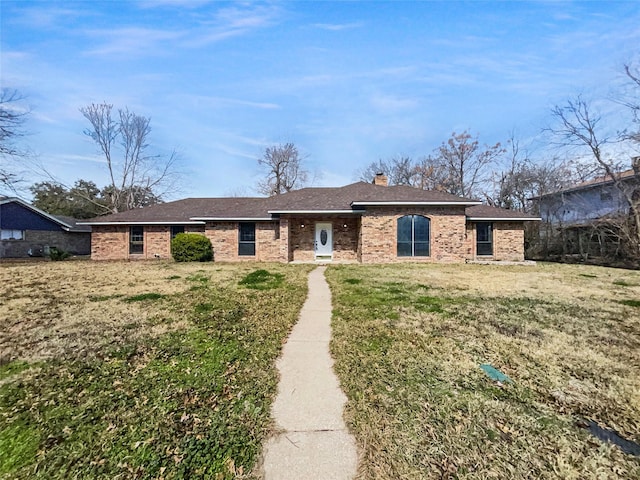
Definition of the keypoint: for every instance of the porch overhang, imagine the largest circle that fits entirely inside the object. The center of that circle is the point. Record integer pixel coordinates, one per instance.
(316, 212)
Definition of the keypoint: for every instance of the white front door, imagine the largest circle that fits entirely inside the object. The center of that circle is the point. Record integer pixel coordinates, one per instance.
(324, 240)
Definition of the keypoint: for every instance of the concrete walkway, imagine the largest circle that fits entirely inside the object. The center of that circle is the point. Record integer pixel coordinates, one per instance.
(314, 442)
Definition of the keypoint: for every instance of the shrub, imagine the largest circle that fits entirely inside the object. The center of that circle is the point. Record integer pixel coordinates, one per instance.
(57, 254)
(191, 247)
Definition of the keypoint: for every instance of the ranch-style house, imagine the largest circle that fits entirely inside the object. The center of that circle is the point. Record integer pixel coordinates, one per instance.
(361, 222)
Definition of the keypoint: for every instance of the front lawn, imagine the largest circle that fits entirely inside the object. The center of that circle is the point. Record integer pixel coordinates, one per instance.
(409, 341)
(140, 370)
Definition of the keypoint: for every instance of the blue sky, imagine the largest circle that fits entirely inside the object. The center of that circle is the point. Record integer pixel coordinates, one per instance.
(348, 82)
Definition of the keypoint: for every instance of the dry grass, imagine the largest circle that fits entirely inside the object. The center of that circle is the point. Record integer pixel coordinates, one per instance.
(50, 310)
(409, 341)
(140, 370)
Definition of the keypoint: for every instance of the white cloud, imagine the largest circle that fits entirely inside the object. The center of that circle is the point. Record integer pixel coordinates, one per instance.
(392, 103)
(45, 16)
(131, 40)
(335, 27)
(232, 22)
(191, 4)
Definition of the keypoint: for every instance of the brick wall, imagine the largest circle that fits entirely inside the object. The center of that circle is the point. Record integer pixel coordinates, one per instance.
(111, 242)
(301, 239)
(269, 242)
(345, 237)
(370, 238)
(508, 241)
(447, 242)
(36, 240)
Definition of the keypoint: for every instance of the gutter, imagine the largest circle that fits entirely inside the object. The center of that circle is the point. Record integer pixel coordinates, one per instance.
(503, 219)
(391, 204)
(133, 222)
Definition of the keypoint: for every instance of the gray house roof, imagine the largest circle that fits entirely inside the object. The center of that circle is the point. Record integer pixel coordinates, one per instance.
(350, 199)
(598, 182)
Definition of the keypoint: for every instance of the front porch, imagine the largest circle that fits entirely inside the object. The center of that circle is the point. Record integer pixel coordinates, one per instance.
(323, 238)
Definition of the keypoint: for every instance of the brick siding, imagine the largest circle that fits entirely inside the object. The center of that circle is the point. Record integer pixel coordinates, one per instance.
(76, 243)
(269, 240)
(447, 229)
(371, 238)
(508, 241)
(345, 234)
(111, 242)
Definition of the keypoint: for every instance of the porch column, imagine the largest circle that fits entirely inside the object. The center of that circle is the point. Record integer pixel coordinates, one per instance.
(285, 254)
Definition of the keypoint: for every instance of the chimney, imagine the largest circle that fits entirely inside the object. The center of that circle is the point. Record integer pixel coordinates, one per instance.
(380, 179)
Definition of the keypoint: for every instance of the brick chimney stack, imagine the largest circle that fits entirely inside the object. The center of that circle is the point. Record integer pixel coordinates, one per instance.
(380, 179)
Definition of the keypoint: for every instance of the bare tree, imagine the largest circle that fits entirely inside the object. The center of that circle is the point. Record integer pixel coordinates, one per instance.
(13, 114)
(136, 177)
(368, 173)
(283, 170)
(632, 101)
(424, 174)
(578, 126)
(523, 179)
(430, 174)
(466, 163)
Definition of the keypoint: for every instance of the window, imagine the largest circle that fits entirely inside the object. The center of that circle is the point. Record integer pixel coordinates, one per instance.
(175, 230)
(247, 239)
(136, 240)
(484, 238)
(606, 196)
(11, 234)
(413, 236)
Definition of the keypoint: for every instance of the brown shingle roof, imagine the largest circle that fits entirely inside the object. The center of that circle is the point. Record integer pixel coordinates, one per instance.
(486, 212)
(179, 211)
(348, 198)
(343, 198)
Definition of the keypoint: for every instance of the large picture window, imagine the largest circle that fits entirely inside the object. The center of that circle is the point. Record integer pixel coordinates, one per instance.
(484, 238)
(136, 239)
(413, 236)
(247, 239)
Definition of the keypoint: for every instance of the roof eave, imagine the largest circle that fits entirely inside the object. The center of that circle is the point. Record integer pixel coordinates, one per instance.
(233, 219)
(133, 222)
(504, 219)
(445, 203)
(308, 212)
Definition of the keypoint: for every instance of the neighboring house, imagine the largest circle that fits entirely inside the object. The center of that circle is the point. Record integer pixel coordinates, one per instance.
(583, 203)
(361, 222)
(28, 231)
